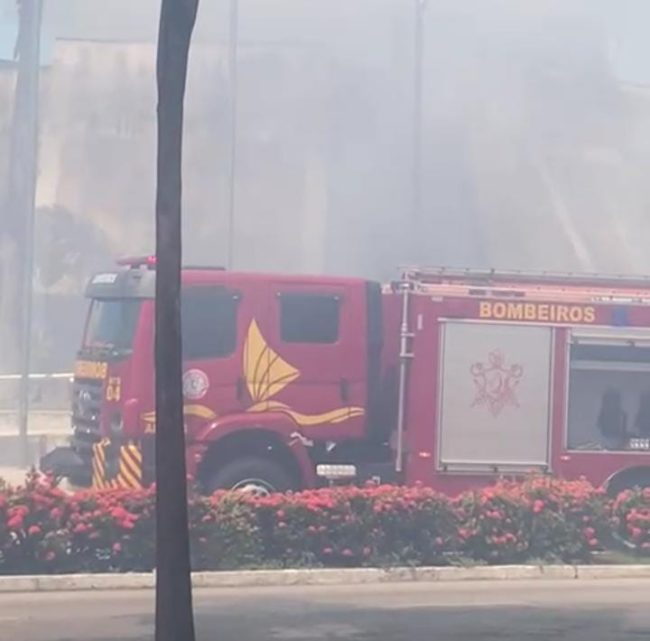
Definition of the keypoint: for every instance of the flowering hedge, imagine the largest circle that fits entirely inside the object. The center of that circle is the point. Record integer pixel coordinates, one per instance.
(45, 530)
(542, 519)
(354, 526)
(631, 518)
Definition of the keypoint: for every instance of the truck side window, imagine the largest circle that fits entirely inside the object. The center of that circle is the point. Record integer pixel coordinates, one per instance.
(209, 322)
(609, 396)
(309, 318)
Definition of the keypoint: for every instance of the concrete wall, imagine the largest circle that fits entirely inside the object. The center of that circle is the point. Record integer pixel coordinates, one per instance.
(98, 153)
(96, 183)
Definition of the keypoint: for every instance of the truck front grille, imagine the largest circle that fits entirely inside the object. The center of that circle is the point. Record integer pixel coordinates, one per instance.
(86, 409)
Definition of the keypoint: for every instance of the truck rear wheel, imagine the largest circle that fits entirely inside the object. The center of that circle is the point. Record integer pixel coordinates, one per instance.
(254, 475)
(627, 481)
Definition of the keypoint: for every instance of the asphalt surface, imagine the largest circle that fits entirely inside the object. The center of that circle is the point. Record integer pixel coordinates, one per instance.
(517, 610)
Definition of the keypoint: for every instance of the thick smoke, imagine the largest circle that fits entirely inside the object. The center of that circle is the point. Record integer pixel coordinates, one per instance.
(533, 137)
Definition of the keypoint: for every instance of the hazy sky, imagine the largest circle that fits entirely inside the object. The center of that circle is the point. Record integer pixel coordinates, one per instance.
(508, 84)
(624, 21)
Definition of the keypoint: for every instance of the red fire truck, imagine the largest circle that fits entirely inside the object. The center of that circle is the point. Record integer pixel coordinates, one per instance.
(450, 378)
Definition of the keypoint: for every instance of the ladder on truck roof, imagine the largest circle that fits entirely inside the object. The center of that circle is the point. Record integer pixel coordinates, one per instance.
(543, 286)
(483, 277)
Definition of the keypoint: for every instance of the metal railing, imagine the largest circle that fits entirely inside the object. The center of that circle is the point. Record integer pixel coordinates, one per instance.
(47, 391)
(437, 274)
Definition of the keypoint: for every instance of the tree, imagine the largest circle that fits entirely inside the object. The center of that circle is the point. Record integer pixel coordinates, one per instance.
(174, 616)
(17, 206)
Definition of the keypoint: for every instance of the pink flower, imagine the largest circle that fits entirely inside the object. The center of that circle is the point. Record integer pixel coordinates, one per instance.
(56, 513)
(538, 506)
(119, 513)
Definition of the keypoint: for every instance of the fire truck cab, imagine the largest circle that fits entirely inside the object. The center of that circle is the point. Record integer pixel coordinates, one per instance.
(451, 378)
(281, 374)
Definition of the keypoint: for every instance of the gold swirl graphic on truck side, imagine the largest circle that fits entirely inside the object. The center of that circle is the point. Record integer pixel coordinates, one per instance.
(267, 374)
(198, 411)
(309, 420)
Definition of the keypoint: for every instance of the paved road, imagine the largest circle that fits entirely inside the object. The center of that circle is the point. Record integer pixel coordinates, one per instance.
(513, 611)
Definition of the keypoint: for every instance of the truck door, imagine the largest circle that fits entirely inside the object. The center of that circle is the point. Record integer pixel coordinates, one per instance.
(318, 332)
(213, 337)
(215, 318)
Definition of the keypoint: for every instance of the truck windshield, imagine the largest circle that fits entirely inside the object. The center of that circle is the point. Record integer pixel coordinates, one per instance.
(112, 323)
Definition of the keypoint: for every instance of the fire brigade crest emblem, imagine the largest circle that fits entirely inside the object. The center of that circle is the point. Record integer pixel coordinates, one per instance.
(195, 384)
(496, 383)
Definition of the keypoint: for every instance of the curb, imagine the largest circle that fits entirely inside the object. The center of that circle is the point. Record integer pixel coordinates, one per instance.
(325, 577)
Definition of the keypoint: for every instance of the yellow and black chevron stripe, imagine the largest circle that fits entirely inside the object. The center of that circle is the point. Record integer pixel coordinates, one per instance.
(129, 474)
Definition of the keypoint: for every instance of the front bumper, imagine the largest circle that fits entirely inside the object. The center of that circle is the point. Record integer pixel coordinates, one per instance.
(117, 465)
(64, 462)
(113, 465)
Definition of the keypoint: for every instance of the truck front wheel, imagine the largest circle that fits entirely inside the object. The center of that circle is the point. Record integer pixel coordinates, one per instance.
(254, 475)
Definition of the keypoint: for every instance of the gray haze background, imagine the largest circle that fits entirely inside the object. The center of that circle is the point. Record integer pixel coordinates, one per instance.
(535, 138)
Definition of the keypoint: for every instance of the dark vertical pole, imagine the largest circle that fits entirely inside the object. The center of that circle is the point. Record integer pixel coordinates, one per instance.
(23, 185)
(416, 186)
(174, 616)
(233, 55)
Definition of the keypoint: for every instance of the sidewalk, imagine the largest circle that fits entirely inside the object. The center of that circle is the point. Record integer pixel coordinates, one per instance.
(329, 577)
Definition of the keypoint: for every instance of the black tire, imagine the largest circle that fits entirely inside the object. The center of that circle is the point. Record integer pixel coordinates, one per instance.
(248, 472)
(640, 479)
